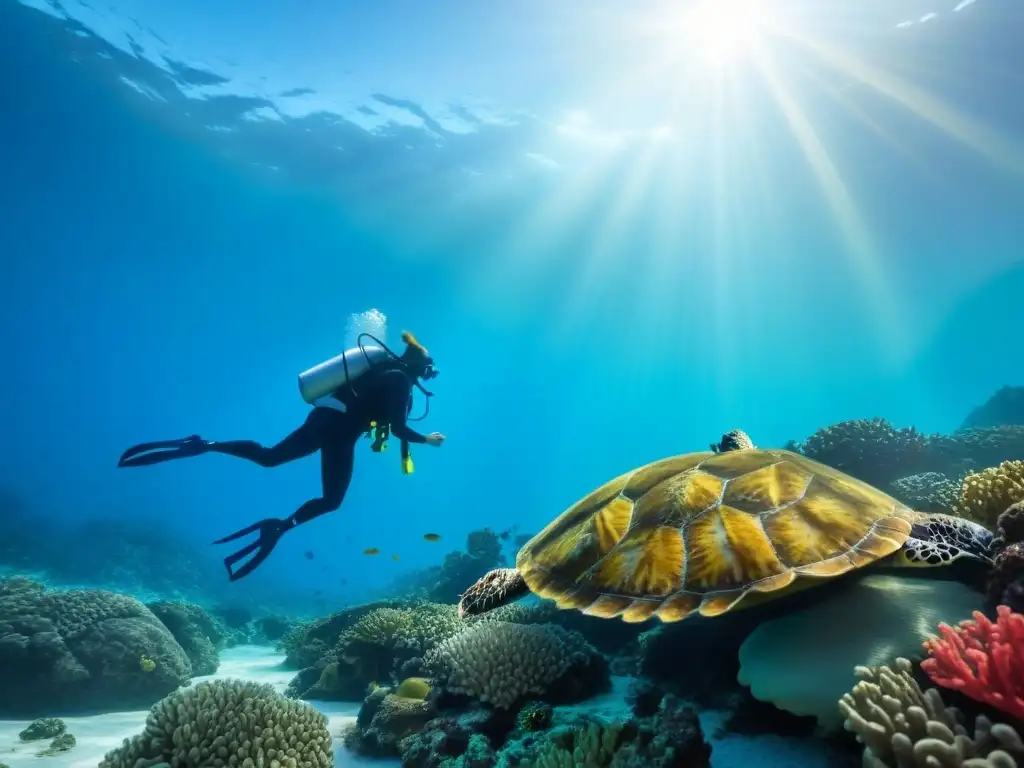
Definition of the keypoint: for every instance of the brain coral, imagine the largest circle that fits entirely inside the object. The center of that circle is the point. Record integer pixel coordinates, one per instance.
(499, 663)
(987, 494)
(80, 650)
(228, 723)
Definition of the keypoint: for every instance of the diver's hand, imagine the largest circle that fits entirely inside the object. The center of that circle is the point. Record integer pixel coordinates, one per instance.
(435, 439)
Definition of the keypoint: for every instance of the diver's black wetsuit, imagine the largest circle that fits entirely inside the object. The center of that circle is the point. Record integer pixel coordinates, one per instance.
(334, 434)
(384, 399)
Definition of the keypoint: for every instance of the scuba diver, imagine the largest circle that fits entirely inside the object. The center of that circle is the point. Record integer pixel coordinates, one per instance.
(364, 389)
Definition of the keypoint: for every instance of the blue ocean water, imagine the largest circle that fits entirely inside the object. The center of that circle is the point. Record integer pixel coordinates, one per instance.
(613, 253)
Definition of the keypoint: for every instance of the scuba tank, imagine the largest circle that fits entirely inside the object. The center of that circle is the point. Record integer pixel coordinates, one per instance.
(344, 369)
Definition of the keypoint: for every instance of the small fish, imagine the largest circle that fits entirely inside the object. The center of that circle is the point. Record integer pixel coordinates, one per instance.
(308, 554)
(371, 551)
(396, 558)
(432, 536)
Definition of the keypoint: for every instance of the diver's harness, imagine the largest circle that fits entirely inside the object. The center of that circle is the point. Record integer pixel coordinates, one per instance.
(380, 433)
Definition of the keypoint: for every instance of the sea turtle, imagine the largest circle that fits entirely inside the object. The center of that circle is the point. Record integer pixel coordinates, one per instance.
(704, 532)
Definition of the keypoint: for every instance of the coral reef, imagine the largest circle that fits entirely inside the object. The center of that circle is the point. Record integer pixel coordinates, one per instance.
(982, 659)
(1006, 579)
(870, 449)
(987, 494)
(383, 645)
(500, 663)
(386, 718)
(228, 722)
(973, 448)
(197, 632)
(306, 644)
(82, 650)
(902, 726)
(927, 492)
(670, 737)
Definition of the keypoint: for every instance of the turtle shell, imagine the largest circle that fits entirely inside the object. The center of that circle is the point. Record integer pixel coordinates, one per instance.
(702, 531)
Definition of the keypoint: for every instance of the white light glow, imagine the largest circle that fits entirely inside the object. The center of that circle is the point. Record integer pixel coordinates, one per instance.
(724, 30)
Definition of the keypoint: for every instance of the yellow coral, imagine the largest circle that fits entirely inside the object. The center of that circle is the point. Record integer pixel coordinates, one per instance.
(985, 495)
(146, 664)
(414, 688)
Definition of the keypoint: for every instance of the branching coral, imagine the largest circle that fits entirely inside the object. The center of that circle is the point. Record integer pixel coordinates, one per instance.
(982, 659)
(499, 663)
(902, 726)
(228, 723)
(985, 495)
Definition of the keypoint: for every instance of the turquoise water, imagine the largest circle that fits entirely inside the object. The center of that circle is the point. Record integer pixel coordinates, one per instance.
(615, 249)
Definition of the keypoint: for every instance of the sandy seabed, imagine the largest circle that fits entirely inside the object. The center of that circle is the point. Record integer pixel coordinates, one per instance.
(98, 734)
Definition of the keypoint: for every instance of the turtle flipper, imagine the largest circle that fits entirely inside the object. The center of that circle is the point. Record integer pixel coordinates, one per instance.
(495, 588)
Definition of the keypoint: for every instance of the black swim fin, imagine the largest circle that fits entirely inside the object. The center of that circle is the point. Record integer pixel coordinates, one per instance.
(144, 454)
(270, 531)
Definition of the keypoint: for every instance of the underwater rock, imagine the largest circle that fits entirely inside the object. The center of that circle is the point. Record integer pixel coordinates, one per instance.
(44, 728)
(706, 673)
(268, 630)
(803, 661)
(82, 650)
(1006, 406)
(197, 632)
(63, 743)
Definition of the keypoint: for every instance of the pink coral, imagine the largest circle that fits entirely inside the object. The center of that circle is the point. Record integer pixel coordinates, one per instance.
(983, 659)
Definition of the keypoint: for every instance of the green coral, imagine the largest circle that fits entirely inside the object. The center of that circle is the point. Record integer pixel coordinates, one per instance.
(228, 722)
(499, 663)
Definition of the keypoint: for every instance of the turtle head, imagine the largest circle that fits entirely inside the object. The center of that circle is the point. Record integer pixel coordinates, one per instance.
(938, 540)
(493, 589)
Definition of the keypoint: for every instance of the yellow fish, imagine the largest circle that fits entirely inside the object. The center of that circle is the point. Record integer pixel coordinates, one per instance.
(371, 551)
(396, 558)
(432, 536)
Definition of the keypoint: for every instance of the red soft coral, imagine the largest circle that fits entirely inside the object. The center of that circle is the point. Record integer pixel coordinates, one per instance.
(984, 660)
